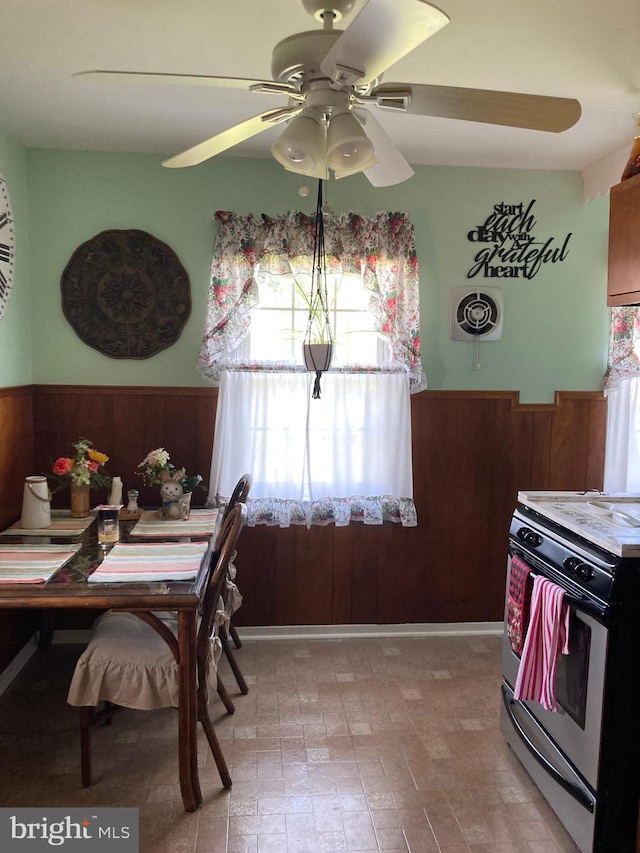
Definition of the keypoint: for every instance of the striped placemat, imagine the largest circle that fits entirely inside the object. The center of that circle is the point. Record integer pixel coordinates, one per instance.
(33, 563)
(62, 524)
(201, 522)
(150, 561)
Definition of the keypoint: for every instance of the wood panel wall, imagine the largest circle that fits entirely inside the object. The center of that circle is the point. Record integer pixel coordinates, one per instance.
(472, 452)
(16, 462)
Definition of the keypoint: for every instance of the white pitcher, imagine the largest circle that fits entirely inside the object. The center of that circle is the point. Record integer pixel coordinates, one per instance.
(36, 503)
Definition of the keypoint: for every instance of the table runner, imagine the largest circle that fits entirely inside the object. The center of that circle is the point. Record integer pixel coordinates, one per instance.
(150, 561)
(201, 522)
(62, 524)
(33, 563)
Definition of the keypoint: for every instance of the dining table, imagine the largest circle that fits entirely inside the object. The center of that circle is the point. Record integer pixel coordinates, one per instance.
(69, 587)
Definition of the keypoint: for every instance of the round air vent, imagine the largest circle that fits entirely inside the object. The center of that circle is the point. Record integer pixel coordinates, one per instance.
(476, 313)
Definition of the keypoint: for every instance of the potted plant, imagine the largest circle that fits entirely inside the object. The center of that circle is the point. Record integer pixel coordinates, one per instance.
(81, 472)
(174, 484)
(317, 347)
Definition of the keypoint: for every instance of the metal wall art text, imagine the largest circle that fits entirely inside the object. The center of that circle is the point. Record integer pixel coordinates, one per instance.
(509, 247)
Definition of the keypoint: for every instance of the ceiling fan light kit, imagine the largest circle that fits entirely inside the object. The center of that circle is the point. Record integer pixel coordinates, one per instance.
(299, 148)
(332, 77)
(348, 146)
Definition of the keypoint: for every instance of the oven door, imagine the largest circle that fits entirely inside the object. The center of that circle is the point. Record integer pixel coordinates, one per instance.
(576, 726)
(563, 788)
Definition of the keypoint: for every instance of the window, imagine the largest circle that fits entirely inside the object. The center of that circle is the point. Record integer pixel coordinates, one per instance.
(348, 455)
(279, 321)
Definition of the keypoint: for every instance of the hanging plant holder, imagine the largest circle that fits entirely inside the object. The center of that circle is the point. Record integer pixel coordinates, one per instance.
(317, 348)
(317, 356)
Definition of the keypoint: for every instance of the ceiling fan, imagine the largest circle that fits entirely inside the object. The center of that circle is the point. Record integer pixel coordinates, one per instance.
(332, 76)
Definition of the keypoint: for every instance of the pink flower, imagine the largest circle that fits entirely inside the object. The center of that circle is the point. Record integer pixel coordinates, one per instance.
(62, 466)
(93, 467)
(620, 326)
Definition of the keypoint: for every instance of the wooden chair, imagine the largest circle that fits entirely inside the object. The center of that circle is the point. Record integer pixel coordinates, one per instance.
(132, 658)
(231, 595)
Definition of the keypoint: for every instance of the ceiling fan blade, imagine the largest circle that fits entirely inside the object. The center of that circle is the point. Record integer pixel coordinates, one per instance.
(228, 138)
(262, 86)
(511, 109)
(391, 168)
(381, 34)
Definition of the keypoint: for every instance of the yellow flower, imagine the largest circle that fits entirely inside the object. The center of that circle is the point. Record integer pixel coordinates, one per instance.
(96, 456)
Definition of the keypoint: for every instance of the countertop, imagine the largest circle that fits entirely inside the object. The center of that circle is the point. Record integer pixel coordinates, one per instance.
(610, 521)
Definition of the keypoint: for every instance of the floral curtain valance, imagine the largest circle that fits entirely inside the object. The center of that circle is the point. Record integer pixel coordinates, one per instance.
(381, 248)
(624, 343)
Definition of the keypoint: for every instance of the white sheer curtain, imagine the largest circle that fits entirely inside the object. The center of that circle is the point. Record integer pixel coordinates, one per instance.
(622, 456)
(344, 457)
(622, 388)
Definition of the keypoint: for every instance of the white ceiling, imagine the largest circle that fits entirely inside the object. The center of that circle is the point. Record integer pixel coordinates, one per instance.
(584, 49)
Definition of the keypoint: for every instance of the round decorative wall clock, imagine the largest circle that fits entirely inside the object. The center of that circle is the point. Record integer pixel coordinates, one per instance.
(7, 246)
(126, 294)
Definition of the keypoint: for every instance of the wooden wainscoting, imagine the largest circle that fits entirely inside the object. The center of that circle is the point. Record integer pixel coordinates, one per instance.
(472, 451)
(16, 463)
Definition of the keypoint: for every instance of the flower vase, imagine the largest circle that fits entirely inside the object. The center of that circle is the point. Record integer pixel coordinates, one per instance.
(80, 501)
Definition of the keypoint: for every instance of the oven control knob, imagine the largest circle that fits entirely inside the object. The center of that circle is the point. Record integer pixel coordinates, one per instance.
(585, 572)
(530, 537)
(571, 564)
(581, 570)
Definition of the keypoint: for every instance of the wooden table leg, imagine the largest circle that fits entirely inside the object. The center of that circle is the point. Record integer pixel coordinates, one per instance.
(47, 627)
(188, 712)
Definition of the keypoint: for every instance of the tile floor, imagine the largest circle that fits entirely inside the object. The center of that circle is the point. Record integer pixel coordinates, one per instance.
(340, 745)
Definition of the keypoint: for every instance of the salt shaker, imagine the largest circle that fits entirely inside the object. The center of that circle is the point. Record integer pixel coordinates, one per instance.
(132, 506)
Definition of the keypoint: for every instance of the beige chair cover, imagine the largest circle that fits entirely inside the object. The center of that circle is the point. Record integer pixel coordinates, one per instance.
(128, 663)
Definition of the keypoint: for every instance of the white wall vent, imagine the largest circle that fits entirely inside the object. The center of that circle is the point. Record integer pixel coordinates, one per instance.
(476, 314)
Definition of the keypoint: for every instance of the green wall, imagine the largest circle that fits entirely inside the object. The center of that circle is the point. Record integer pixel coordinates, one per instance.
(555, 324)
(15, 327)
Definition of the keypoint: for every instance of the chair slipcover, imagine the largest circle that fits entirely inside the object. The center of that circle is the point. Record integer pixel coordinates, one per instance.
(127, 663)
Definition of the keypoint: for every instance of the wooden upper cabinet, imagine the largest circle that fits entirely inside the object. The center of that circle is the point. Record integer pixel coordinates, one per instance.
(624, 243)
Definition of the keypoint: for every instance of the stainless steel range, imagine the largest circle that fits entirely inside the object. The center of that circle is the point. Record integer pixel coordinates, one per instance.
(585, 756)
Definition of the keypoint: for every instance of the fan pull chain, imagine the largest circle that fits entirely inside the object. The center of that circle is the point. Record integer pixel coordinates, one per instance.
(476, 354)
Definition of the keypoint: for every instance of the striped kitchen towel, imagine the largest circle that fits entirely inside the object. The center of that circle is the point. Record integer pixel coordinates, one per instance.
(33, 563)
(150, 561)
(201, 522)
(547, 636)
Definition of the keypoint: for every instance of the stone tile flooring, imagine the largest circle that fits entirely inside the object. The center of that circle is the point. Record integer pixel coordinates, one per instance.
(341, 745)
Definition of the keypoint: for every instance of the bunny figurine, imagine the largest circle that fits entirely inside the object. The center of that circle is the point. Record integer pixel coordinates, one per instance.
(171, 491)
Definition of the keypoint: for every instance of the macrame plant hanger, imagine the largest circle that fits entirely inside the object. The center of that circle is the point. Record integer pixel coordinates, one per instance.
(318, 342)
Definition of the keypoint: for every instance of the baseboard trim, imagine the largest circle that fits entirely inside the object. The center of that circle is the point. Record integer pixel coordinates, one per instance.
(19, 661)
(340, 632)
(336, 632)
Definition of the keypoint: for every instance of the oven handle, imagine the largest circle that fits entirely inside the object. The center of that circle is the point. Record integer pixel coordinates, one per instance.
(574, 790)
(583, 605)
